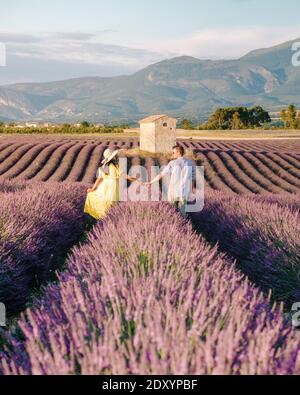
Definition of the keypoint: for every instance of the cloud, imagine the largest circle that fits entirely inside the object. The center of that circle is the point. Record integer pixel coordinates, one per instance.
(89, 48)
(85, 48)
(58, 56)
(224, 43)
(72, 36)
(18, 38)
(26, 69)
(79, 36)
(75, 54)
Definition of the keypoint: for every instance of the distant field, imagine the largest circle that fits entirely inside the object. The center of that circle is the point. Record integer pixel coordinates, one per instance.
(181, 134)
(242, 167)
(62, 135)
(249, 134)
(239, 134)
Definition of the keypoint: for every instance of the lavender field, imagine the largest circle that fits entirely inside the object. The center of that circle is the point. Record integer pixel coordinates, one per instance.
(125, 306)
(146, 291)
(39, 222)
(259, 167)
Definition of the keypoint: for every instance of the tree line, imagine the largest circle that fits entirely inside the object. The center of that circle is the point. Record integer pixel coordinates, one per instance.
(66, 128)
(229, 118)
(236, 118)
(291, 117)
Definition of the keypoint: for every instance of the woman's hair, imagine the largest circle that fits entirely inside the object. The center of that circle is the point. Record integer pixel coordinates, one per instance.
(105, 167)
(114, 161)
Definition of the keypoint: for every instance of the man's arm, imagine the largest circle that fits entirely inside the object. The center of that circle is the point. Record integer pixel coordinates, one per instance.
(160, 176)
(167, 170)
(156, 179)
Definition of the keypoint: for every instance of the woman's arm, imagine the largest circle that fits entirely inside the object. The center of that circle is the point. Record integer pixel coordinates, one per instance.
(131, 179)
(95, 186)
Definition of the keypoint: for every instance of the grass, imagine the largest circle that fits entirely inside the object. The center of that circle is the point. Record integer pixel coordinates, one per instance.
(132, 152)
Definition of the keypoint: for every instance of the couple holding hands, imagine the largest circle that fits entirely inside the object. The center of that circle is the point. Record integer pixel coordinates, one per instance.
(105, 191)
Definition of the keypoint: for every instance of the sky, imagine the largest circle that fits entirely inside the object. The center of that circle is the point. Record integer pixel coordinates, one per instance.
(59, 39)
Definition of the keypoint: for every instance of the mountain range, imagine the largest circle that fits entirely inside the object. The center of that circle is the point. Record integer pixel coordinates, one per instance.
(182, 86)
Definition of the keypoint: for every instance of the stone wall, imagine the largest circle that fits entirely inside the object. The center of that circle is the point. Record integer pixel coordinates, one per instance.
(147, 137)
(158, 136)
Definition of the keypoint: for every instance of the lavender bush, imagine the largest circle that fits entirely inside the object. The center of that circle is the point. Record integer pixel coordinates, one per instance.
(288, 200)
(262, 233)
(11, 186)
(37, 226)
(147, 295)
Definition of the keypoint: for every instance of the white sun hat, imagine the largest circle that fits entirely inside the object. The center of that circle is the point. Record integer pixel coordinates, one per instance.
(109, 155)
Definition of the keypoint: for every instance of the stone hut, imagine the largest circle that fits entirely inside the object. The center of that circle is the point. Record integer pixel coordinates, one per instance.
(157, 133)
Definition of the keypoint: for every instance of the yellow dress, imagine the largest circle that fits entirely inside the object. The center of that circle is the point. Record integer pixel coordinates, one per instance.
(100, 201)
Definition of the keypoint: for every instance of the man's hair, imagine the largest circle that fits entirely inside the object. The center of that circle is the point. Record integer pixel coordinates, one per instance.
(179, 148)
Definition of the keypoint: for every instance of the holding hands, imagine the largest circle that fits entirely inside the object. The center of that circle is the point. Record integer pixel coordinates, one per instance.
(143, 183)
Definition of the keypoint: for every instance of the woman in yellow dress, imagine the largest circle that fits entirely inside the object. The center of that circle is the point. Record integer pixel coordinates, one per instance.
(105, 191)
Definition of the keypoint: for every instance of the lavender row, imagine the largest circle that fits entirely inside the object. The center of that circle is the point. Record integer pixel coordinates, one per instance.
(147, 295)
(7, 186)
(288, 200)
(262, 233)
(39, 223)
(283, 199)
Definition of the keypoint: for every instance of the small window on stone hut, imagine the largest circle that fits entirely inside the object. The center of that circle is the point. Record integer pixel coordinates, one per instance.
(165, 125)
